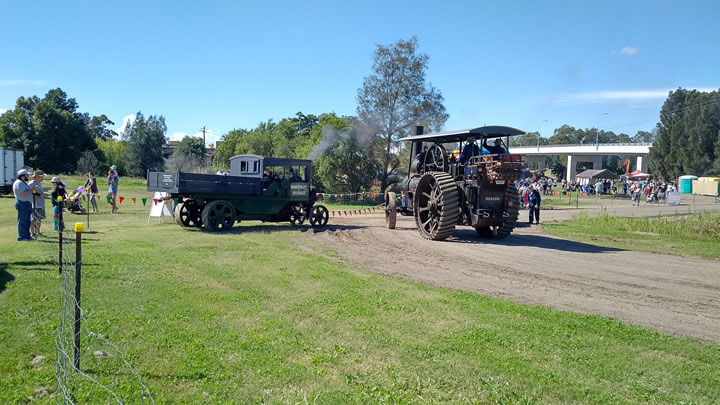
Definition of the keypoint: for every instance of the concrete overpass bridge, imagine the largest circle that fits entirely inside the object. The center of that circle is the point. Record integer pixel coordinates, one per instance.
(535, 155)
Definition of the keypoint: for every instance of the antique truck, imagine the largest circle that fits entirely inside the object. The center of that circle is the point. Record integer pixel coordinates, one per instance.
(442, 191)
(257, 188)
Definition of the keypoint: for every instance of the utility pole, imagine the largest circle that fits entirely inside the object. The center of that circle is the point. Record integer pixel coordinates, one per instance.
(538, 133)
(597, 131)
(203, 131)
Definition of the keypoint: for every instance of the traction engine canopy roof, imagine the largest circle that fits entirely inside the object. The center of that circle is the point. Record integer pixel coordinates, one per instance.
(492, 131)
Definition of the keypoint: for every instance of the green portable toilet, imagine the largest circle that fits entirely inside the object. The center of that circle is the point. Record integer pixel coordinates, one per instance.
(686, 183)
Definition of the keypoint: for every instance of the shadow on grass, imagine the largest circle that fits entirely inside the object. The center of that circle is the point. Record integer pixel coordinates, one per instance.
(5, 277)
(537, 241)
(271, 228)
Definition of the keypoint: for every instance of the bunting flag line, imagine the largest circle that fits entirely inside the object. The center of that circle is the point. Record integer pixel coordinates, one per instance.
(144, 200)
(109, 199)
(175, 200)
(83, 197)
(155, 201)
(167, 202)
(121, 199)
(133, 198)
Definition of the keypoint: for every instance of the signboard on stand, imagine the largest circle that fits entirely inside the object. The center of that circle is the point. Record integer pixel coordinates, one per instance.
(159, 208)
(674, 198)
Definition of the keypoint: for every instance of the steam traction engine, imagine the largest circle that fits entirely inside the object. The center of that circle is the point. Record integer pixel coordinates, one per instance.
(441, 192)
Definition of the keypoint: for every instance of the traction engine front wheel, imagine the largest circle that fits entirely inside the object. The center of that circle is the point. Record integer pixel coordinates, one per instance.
(436, 205)
(390, 210)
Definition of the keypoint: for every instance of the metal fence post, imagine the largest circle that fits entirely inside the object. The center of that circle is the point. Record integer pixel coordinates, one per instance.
(60, 234)
(78, 284)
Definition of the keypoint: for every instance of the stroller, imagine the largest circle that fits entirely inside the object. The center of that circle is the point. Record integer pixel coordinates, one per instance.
(652, 197)
(75, 204)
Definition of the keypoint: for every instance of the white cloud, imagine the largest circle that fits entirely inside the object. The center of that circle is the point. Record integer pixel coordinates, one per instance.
(628, 50)
(126, 119)
(8, 83)
(621, 95)
(178, 136)
(3, 111)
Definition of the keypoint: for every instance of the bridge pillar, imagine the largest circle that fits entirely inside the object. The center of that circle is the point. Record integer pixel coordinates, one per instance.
(597, 162)
(642, 164)
(571, 170)
(535, 163)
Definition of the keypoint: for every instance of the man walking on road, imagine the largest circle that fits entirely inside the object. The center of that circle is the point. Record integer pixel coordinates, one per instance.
(534, 204)
(23, 205)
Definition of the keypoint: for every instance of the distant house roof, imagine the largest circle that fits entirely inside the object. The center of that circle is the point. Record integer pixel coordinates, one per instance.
(597, 174)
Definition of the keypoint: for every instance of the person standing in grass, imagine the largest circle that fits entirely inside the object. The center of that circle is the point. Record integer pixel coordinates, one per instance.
(23, 205)
(113, 181)
(58, 191)
(534, 204)
(92, 190)
(38, 212)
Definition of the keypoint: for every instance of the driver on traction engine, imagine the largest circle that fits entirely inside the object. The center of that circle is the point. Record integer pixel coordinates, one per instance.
(471, 149)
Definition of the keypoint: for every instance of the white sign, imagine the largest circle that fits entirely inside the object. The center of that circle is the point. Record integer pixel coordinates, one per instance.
(160, 209)
(674, 198)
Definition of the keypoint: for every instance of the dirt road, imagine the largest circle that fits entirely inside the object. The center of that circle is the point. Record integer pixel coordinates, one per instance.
(677, 295)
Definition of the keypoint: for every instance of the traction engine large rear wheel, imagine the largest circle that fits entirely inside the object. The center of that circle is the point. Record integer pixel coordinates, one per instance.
(218, 216)
(512, 201)
(436, 205)
(390, 210)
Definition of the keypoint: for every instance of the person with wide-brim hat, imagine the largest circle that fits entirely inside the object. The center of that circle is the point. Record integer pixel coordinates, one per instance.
(23, 204)
(38, 211)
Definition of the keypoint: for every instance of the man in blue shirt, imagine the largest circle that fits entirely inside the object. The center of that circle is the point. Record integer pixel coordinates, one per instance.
(471, 149)
(534, 204)
(23, 204)
(497, 149)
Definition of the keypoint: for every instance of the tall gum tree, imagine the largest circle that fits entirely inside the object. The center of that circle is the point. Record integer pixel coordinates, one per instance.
(395, 97)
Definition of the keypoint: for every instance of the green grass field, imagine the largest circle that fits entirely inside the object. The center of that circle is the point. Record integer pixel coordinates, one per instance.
(692, 235)
(248, 317)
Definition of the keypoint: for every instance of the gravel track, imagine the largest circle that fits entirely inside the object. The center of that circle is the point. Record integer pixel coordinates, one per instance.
(672, 294)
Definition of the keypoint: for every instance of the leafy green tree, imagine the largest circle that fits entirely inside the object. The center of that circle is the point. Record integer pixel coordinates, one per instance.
(291, 134)
(145, 139)
(51, 131)
(98, 127)
(113, 153)
(643, 137)
(257, 141)
(528, 139)
(396, 96)
(226, 148)
(687, 135)
(191, 147)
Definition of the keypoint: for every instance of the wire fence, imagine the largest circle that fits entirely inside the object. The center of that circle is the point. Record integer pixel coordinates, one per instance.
(110, 378)
(365, 198)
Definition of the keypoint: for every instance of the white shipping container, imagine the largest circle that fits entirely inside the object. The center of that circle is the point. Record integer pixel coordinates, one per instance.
(11, 160)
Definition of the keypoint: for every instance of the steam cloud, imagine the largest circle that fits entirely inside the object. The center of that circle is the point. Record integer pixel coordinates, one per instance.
(363, 134)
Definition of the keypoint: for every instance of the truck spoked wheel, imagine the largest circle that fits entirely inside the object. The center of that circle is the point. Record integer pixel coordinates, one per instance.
(436, 205)
(218, 216)
(319, 216)
(390, 210)
(188, 213)
(298, 215)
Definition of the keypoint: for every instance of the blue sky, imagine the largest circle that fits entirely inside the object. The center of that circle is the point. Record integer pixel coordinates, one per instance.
(232, 64)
